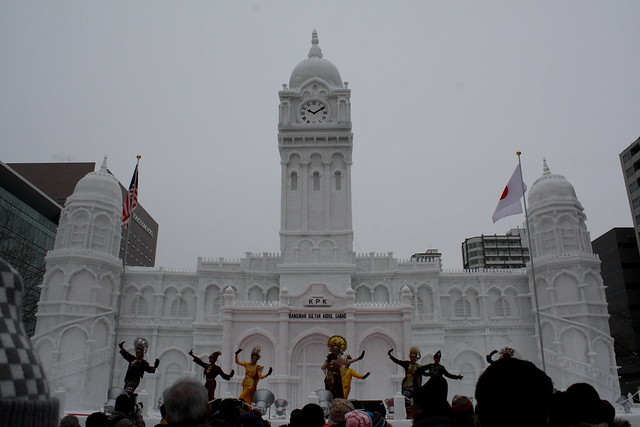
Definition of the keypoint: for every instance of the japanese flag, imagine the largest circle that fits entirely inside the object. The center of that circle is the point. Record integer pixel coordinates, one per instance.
(509, 203)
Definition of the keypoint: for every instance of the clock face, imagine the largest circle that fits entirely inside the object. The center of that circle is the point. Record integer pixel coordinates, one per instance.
(314, 111)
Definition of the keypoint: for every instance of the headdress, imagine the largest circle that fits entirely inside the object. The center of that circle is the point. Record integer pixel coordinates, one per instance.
(506, 352)
(415, 350)
(141, 343)
(437, 353)
(337, 342)
(255, 351)
(216, 353)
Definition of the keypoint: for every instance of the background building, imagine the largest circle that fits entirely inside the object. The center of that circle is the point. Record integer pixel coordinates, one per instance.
(28, 224)
(32, 196)
(618, 251)
(496, 251)
(630, 160)
(58, 180)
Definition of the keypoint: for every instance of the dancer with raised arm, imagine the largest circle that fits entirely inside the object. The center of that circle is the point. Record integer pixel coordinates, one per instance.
(411, 380)
(137, 365)
(334, 365)
(253, 374)
(436, 370)
(211, 371)
(347, 373)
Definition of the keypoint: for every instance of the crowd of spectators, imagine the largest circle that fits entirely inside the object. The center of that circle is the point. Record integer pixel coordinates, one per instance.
(510, 392)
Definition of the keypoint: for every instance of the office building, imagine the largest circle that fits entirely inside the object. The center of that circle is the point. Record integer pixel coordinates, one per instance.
(508, 250)
(618, 251)
(28, 224)
(630, 161)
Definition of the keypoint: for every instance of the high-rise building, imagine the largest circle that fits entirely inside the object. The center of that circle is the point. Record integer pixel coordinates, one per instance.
(28, 224)
(508, 250)
(620, 267)
(630, 160)
(58, 180)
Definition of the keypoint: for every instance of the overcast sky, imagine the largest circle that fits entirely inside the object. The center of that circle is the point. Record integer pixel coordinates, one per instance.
(443, 95)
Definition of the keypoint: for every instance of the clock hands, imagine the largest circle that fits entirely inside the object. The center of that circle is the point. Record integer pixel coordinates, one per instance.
(314, 112)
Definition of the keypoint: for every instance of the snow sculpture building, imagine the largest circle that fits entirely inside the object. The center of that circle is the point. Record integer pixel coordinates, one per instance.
(291, 303)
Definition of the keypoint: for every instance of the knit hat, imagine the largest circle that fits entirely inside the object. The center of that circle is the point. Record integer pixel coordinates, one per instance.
(338, 408)
(357, 419)
(24, 392)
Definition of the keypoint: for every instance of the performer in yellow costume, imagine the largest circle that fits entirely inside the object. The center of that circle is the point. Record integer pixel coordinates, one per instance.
(253, 374)
(347, 375)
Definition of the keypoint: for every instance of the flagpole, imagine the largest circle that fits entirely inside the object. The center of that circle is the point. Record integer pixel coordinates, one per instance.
(533, 270)
(116, 322)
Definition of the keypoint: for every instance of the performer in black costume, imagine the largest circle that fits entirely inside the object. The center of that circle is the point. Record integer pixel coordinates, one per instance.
(436, 370)
(411, 380)
(137, 365)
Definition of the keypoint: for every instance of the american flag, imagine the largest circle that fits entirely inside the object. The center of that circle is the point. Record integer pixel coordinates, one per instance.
(131, 199)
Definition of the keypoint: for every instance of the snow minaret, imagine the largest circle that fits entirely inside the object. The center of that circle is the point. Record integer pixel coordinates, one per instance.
(75, 330)
(573, 308)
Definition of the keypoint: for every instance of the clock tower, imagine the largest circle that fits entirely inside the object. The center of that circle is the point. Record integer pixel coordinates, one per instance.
(315, 144)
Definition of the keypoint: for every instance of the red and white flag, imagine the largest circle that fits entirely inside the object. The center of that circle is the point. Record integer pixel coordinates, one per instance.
(131, 199)
(509, 203)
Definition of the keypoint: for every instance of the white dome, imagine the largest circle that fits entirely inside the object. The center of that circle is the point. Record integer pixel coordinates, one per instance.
(315, 66)
(100, 183)
(551, 187)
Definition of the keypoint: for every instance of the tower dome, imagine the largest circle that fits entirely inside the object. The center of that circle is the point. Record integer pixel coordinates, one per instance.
(315, 66)
(99, 184)
(551, 187)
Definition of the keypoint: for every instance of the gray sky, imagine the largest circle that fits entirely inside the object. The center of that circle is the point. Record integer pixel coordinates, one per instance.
(443, 94)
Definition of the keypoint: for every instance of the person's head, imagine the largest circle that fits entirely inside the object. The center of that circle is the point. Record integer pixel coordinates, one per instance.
(249, 419)
(357, 419)
(414, 354)
(255, 354)
(431, 398)
(312, 415)
(124, 404)
(139, 352)
(186, 401)
(580, 404)
(338, 408)
(213, 357)
(97, 419)
(70, 421)
(228, 409)
(513, 391)
(436, 357)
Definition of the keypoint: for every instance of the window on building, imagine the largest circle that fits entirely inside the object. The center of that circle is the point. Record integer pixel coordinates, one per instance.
(179, 308)
(338, 180)
(139, 307)
(294, 181)
(316, 181)
(502, 308)
(462, 308)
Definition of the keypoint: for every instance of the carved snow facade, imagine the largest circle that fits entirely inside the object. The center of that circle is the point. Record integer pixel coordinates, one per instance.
(291, 303)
